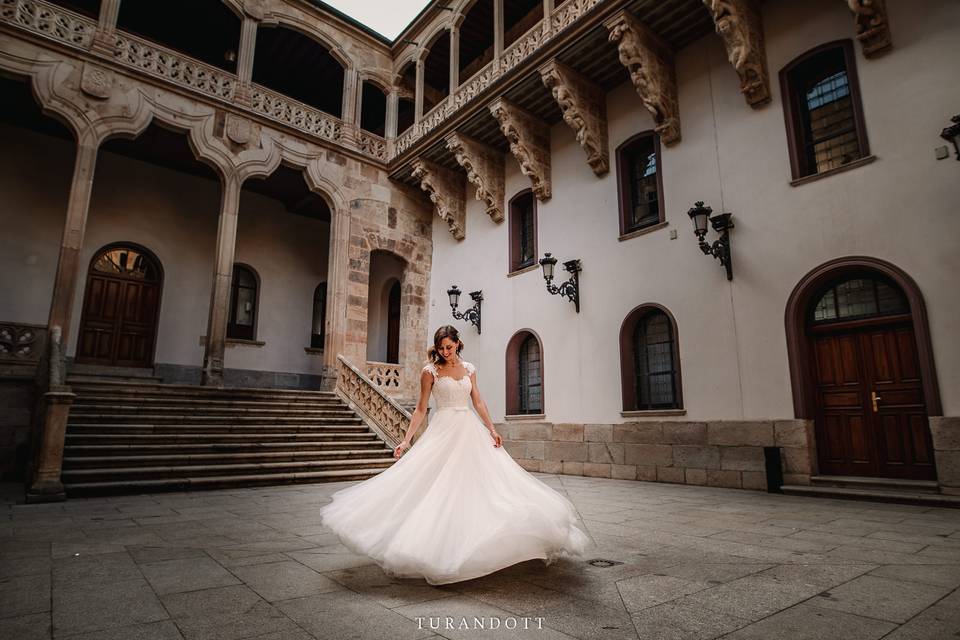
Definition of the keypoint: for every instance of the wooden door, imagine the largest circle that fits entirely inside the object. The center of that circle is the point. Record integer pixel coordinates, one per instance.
(119, 318)
(871, 418)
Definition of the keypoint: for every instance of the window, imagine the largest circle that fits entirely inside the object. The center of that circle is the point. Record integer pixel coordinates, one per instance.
(649, 359)
(318, 333)
(524, 375)
(638, 182)
(523, 230)
(823, 112)
(243, 303)
(859, 298)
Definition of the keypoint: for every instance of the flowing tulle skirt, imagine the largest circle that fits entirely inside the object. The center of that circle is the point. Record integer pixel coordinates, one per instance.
(454, 507)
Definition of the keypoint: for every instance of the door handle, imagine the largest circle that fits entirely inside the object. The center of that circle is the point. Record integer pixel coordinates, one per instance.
(874, 398)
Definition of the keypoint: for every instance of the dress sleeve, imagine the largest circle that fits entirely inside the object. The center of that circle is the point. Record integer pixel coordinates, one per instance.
(429, 368)
(470, 368)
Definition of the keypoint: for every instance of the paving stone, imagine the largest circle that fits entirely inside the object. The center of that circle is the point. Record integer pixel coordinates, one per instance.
(225, 613)
(11, 566)
(672, 621)
(752, 597)
(344, 614)
(881, 598)
(34, 626)
(186, 574)
(939, 622)
(805, 622)
(21, 595)
(945, 576)
(338, 558)
(583, 618)
(642, 592)
(372, 582)
(163, 630)
(107, 605)
(714, 573)
(284, 580)
(144, 555)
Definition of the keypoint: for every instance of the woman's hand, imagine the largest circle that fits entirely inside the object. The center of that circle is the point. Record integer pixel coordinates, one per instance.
(401, 449)
(497, 440)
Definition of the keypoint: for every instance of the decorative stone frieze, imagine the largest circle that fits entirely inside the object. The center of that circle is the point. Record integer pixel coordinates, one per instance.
(872, 24)
(738, 23)
(446, 189)
(96, 81)
(529, 139)
(651, 67)
(584, 107)
(485, 171)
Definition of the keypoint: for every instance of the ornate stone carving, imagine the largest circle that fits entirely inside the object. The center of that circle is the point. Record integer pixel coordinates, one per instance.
(584, 107)
(529, 139)
(651, 67)
(484, 167)
(95, 81)
(174, 67)
(21, 342)
(872, 24)
(446, 190)
(372, 145)
(738, 23)
(383, 412)
(239, 130)
(49, 20)
(384, 375)
(296, 114)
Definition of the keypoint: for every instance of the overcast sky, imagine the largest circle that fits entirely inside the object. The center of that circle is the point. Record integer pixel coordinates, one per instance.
(388, 17)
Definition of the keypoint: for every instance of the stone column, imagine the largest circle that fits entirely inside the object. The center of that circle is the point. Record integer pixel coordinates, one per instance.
(222, 275)
(68, 263)
(393, 106)
(106, 26)
(349, 110)
(547, 12)
(245, 54)
(497, 28)
(418, 99)
(454, 58)
(337, 272)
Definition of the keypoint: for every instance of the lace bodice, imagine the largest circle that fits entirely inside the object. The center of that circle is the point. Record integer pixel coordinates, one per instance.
(448, 391)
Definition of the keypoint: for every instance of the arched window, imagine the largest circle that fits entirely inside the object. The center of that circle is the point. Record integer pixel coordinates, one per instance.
(639, 185)
(821, 98)
(476, 39)
(649, 360)
(436, 72)
(859, 298)
(523, 230)
(318, 333)
(373, 109)
(299, 66)
(524, 375)
(241, 323)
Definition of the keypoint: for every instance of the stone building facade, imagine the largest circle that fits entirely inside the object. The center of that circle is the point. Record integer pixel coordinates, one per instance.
(489, 129)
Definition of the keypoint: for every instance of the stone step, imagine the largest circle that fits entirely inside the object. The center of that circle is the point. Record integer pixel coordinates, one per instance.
(200, 470)
(862, 482)
(187, 459)
(208, 412)
(124, 428)
(180, 483)
(355, 441)
(83, 378)
(140, 389)
(191, 438)
(875, 495)
(201, 403)
(113, 418)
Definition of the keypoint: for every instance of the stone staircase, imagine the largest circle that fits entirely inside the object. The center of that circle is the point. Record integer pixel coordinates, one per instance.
(919, 492)
(138, 436)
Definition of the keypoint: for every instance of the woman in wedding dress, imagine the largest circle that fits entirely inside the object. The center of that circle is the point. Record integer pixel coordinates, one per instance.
(455, 506)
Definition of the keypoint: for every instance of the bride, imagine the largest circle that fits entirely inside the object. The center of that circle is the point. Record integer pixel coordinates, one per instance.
(455, 506)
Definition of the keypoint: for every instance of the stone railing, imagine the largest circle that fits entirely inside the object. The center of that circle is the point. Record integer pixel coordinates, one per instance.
(176, 68)
(21, 343)
(545, 31)
(381, 412)
(296, 114)
(385, 375)
(50, 21)
(372, 145)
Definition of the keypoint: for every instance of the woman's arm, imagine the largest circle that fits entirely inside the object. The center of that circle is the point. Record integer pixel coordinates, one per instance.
(481, 408)
(426, 383)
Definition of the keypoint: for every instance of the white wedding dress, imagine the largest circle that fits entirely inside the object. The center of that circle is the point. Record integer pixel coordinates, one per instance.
(454, 507)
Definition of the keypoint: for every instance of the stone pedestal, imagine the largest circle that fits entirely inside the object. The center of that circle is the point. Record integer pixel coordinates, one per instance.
(46, 485)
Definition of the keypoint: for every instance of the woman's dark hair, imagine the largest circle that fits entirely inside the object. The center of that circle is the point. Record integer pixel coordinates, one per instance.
(446, 331)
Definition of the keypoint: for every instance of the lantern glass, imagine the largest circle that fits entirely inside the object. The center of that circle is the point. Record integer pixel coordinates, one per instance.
(454, 295)
(547, 262)
(699, 215)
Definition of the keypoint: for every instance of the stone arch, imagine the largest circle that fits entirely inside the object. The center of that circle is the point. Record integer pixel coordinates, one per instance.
(280, 18)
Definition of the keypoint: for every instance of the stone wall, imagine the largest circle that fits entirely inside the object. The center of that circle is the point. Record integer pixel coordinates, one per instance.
(17, 400)
(946, 448)
(716, 454)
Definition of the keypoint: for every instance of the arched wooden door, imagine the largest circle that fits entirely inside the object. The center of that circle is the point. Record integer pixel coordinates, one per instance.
(121, 302)
(870, 411)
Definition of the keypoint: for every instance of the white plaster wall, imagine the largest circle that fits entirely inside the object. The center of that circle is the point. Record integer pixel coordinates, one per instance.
(384, 270)
(901, 208)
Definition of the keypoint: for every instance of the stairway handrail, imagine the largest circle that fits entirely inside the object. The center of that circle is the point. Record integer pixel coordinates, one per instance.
(380, 411)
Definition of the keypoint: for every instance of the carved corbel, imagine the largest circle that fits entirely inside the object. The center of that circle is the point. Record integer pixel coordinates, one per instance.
(872, 24)
(738, 23)
(584, 107)
(529, 139)
(651, 67)
(484, 167)
(446, 189)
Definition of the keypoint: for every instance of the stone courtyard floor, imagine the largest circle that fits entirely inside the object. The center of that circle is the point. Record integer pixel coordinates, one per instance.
(694, 563)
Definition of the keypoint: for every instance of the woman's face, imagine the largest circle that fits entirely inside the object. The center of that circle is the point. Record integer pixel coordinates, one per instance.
(447, 348)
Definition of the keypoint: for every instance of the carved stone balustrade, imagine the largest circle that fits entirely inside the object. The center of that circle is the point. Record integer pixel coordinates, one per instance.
(380, 411)
(385, 375)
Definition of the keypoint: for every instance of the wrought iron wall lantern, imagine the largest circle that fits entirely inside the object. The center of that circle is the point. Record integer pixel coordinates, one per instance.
(952, 134)
(722, 224)
(471, 315)
(569, 289)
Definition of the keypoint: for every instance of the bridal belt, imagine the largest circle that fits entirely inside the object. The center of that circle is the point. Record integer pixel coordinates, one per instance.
(453, 408)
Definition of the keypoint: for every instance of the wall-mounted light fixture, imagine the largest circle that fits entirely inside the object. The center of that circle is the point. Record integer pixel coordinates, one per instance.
(569, 289)
(471, 315)
(952, 134)
(722, 224)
